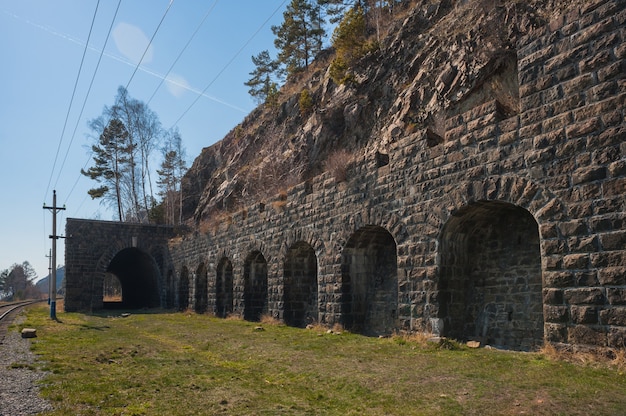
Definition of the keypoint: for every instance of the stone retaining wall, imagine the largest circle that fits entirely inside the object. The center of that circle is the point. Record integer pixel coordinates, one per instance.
(508, 230)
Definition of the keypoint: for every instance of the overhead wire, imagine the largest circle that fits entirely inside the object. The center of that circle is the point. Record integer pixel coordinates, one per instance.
(228, 63)
(80, 68)
(149, 43)
(85, 100)
(129, 81)
(193, 35)
(203, 93)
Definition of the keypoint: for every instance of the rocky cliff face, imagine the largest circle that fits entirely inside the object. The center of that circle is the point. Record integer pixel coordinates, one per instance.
(438, 59)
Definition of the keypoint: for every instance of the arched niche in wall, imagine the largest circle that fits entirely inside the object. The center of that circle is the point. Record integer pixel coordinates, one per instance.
(369, 282)
(490, 276)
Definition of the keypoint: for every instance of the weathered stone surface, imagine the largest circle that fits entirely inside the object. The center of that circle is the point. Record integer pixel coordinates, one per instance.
(585, 296)
(510, 200)
(614, 316)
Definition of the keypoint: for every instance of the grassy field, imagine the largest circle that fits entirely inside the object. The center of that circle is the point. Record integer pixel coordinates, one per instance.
(188, 364)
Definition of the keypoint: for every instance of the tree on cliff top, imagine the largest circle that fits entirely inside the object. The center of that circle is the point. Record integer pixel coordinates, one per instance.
(263, 88)
(299, 37)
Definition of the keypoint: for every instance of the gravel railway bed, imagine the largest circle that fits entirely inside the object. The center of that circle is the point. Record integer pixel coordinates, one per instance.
(19, 391)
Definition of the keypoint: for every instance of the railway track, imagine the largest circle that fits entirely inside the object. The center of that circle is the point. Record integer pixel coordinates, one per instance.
(8, 311)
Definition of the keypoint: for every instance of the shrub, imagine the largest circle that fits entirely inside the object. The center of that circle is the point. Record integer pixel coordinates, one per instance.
(305, 102)
(337, 164)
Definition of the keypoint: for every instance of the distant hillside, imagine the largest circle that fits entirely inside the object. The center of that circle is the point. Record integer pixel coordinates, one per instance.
(43, 284)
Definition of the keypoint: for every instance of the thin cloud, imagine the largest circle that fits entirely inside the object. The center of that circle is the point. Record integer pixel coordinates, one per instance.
(132, 42)
(178, 82)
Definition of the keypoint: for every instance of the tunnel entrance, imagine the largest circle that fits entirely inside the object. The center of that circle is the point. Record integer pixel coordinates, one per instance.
(138, 276)
(201, 289)
(300, 276)
(255, 286)
(490, 288)
(111, 290)
(224, 288)
(183, 289)
(370, 282)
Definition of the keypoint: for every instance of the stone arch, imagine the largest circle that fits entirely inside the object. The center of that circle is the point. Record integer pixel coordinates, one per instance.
(183, 289)
(490, 276)
(300, 285)
(224, 286)
(516, 190)
(490, 281)
(389, 221)
(139, 276)
(201, 289)
(369, 281)
(255, 286)
(307, 236)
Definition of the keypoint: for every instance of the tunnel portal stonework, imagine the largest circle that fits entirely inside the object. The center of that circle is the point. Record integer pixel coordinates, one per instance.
(137, 254)
(509, 230)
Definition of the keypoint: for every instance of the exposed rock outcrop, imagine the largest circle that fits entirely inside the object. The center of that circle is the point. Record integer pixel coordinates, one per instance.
(438, 59)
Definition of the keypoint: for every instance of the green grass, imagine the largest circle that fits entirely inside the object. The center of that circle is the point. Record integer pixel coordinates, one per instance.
(188, 364)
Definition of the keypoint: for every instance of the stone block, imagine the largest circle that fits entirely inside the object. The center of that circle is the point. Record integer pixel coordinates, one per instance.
(29, 333)
(602, 91)
(586, 335)
(613, 316)
(575, 261)
(582, 128)
(616, 296)
(584, 314)
(612, 276)
(573, 228)
(555, 313)
(614, 187)
(608, 259)
(578, 84)
(613, 241)
(553, 297)
(558, 279)
(554, 332)
(616, 338)
(585, 296)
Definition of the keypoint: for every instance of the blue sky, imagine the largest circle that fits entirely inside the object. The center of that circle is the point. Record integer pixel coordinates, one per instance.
(42, 43)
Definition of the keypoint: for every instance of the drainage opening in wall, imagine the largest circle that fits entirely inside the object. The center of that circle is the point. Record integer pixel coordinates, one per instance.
(224, 288)
(137, 276)
(490, 283)
(300, 277)
(369, 285)
(255, 286)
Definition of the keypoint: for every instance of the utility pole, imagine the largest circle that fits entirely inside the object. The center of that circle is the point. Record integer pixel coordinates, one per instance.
(54, 237)
(49, 256)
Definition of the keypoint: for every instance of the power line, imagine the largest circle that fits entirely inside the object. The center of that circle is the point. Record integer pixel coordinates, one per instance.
(127, 85)
(229, 62)
(149, 43)
(193, 35)
(87, 96)
(72, 99)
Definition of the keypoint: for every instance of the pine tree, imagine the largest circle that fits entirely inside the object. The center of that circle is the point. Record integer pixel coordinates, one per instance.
(111, 160)
(262, 86)
(350, 43)
(173, 168)
(299, 37)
